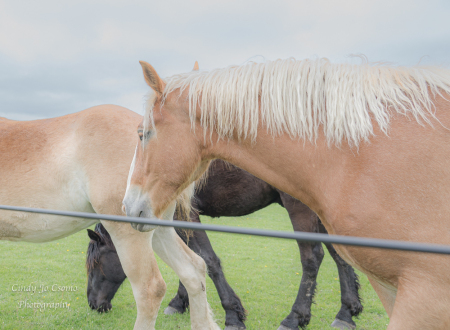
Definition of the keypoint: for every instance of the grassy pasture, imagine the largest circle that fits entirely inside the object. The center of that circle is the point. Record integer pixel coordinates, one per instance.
(264, 272)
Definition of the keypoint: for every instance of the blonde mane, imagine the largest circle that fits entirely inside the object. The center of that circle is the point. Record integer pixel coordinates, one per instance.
(297, 97)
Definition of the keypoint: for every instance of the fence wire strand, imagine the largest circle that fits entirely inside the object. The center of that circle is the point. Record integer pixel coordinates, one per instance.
(299, 236)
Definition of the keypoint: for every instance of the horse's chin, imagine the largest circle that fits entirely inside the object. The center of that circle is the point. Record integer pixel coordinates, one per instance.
(142, 227)
(104, 307)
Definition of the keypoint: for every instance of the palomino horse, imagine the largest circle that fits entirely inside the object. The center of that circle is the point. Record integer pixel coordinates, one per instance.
(231, 191)
(366, 147)
(80, 162)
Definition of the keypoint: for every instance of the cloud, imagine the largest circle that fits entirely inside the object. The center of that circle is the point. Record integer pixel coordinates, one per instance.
(61, 57)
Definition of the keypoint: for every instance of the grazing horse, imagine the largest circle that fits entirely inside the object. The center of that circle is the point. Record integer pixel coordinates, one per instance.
(230, 191)
(80, 162)
(366, 147)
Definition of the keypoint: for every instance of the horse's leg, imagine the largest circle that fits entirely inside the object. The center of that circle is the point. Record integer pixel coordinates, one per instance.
(180, 303)
(350, 300)
(303, 219)
(191, 270)
(139, 264)
(386, 296)
(234, 311)
(421, 301)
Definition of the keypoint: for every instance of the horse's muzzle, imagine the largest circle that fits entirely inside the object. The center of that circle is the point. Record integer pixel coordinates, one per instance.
(142, 227)
(138, 205)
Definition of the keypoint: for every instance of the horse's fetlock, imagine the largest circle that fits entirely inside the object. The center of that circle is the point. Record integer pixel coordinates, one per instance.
(228, 304)
(356, 308)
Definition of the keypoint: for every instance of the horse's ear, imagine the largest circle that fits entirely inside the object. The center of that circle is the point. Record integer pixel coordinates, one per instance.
(152, 78)
(94, 236)
(196, 68)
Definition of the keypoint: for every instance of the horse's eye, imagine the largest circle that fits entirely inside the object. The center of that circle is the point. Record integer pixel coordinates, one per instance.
(141, 135)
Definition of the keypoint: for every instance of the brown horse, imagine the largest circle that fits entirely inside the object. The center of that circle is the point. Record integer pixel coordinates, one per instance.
(367, 147)
(80, 162)
(231, 191)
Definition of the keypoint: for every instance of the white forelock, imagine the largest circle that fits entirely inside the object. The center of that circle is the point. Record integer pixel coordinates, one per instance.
(298, 97)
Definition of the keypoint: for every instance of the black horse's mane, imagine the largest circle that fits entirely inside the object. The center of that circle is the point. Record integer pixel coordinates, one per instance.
(93, 251)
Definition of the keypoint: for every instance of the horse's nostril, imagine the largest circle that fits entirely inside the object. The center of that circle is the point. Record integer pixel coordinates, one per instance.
(140, 213)
(123, 209)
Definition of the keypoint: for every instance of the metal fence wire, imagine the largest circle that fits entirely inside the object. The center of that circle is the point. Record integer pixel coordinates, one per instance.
(299, 236)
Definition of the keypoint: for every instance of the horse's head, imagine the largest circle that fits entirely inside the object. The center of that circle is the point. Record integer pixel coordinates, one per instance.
(105, 273)
(168, 157)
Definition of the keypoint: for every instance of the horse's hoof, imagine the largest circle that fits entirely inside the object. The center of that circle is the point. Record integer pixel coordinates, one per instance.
(342, 325)
(282, 327)
(234, 327)
(170, 311)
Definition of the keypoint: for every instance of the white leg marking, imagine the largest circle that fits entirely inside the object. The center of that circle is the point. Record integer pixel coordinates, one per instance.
(191, 270)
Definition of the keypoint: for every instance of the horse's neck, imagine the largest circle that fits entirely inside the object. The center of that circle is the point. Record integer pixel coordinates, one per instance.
(304, 170)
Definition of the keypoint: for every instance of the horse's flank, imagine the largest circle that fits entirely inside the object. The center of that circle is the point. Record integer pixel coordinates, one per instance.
(297, 97)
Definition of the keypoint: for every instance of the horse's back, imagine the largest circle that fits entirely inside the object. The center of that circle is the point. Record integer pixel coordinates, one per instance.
(24, 145)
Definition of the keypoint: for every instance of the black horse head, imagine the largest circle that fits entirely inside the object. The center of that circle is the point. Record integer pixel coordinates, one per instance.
(105, 273)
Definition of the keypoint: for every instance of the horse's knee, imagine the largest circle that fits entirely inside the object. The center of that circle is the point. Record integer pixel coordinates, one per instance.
(312, 259)
(159, 288)
(155, 288)
(214, 266)
(319, 253)
(194, 279)
(199, 264)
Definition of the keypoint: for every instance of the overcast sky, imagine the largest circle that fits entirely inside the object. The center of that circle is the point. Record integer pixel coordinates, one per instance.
(59, 57)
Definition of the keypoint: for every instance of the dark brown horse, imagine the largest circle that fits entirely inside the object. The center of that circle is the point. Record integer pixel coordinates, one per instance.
(230, 191)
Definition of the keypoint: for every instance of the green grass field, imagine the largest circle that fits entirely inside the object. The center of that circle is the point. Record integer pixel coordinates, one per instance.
(264, 272)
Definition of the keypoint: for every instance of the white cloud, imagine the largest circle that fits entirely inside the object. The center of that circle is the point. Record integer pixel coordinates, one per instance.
(59, 56)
